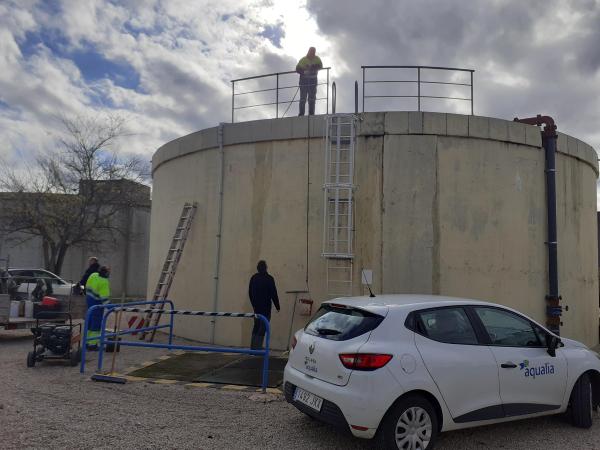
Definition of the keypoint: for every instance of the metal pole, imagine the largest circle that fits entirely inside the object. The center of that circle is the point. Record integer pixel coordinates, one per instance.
(171, 326)
(265, 377)
(363, 90)
(294, 309)
(549, 144)
(549, 138)
(110, 306)
(471, 93)
(419, 88)
(220, 138)
(103, 339)
(277, 97)
(355, 97)
(328, 92)
(333, 98)
(232, 100)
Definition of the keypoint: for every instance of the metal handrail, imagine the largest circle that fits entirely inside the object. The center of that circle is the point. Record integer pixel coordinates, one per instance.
(418, 82)
(275, 89)
(113, 338)
(110, 306)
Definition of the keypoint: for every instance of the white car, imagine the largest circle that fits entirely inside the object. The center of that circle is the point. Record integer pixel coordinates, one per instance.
(28, 278)
(403, 368)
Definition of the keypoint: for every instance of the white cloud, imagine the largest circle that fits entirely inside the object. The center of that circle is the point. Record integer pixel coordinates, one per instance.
(185, 54)
(536, 57)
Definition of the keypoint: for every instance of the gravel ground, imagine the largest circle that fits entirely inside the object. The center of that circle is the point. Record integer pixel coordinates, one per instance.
(52, 406)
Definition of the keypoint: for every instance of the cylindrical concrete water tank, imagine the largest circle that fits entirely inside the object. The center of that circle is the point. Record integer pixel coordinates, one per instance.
(444, 204)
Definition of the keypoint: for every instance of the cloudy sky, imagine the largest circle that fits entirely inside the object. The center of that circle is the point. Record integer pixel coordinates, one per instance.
(166, 65)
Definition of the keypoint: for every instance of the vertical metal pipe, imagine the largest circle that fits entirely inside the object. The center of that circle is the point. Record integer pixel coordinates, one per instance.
(471, 92)
(277, 97)
(265, 377)
(328, 92)
(333, 98)
(232, 100)
(419, 88)
(363, 91)
(219, 228)
(553, 308)
(356, 97)
(102, 338)
(549, 144)
(171, 326)
(549, 138)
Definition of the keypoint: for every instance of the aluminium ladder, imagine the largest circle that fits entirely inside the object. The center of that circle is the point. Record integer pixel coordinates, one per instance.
(170, 266)
(338, 191)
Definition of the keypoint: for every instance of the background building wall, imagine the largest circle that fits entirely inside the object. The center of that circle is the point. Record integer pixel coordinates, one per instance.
(127, 256)
(444, 204)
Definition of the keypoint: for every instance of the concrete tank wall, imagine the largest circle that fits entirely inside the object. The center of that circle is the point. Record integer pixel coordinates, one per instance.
(445, 204)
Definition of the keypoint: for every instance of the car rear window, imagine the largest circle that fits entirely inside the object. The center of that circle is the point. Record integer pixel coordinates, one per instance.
(340, 323)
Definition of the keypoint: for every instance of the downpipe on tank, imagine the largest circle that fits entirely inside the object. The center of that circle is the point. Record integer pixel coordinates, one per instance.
(219, 229)
(549, 138)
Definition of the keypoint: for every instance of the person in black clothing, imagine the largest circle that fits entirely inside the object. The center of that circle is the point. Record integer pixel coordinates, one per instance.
(261, 291)
(93, 267)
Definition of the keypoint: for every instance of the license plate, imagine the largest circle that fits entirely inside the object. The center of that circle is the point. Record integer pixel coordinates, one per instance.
(310, 400)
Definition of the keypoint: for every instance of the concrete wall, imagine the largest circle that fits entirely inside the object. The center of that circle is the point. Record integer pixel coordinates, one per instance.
(445, 204)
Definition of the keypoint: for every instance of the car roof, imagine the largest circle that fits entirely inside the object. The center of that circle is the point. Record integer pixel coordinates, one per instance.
(405, 301)
(28, 268)
(36, 269)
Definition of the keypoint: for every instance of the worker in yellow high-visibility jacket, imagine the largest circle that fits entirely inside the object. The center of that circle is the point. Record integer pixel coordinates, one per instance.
(308, 68)
(97, 292)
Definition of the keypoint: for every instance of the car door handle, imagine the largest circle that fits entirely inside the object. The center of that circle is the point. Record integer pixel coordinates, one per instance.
(508, 365)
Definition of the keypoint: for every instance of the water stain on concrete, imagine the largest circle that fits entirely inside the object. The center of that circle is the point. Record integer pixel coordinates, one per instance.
(261, 186)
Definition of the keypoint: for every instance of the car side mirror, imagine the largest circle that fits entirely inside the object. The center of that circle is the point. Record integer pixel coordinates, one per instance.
(552, 343)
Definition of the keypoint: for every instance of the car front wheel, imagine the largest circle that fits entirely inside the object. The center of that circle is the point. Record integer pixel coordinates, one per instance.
(411, 424)
(581, 402)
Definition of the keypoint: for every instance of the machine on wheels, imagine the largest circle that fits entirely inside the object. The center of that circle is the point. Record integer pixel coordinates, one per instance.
(53, 340)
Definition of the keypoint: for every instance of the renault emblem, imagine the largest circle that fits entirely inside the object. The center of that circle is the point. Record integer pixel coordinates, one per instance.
(311, 348)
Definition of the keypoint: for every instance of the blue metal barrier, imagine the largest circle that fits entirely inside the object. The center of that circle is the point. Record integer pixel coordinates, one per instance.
(110, 338)
(110, 306)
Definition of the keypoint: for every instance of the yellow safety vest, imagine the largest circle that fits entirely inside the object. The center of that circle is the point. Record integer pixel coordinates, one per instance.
(98, 286)
(306, 63)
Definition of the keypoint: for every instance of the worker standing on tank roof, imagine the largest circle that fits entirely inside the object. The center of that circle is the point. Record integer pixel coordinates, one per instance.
(308, 68)
(97, 292)
(262, 292)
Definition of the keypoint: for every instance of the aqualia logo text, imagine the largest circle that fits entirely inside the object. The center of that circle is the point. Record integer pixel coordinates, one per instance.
(537, 371)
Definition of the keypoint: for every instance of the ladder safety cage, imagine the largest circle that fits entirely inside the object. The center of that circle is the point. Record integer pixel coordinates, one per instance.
(338, 200)
(167, 273)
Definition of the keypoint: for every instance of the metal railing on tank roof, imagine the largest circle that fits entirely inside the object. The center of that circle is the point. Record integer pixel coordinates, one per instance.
(420, 84)
(274, 90)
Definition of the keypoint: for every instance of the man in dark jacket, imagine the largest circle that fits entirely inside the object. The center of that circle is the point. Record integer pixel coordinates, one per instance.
(93, 267)
(261, 291)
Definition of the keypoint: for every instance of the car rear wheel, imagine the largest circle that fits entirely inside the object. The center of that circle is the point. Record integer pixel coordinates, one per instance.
(411, 424)
(581, 402)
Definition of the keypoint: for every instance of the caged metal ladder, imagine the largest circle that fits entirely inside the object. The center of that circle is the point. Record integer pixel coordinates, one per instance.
(170, 266)
(338, 189)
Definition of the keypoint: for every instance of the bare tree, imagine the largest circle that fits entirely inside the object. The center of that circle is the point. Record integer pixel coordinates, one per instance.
(72, 195)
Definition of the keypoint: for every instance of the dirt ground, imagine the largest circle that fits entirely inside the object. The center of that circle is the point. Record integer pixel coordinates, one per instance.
(53, 406)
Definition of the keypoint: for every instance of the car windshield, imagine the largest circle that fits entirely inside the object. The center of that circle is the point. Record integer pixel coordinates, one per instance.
(340, 323)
